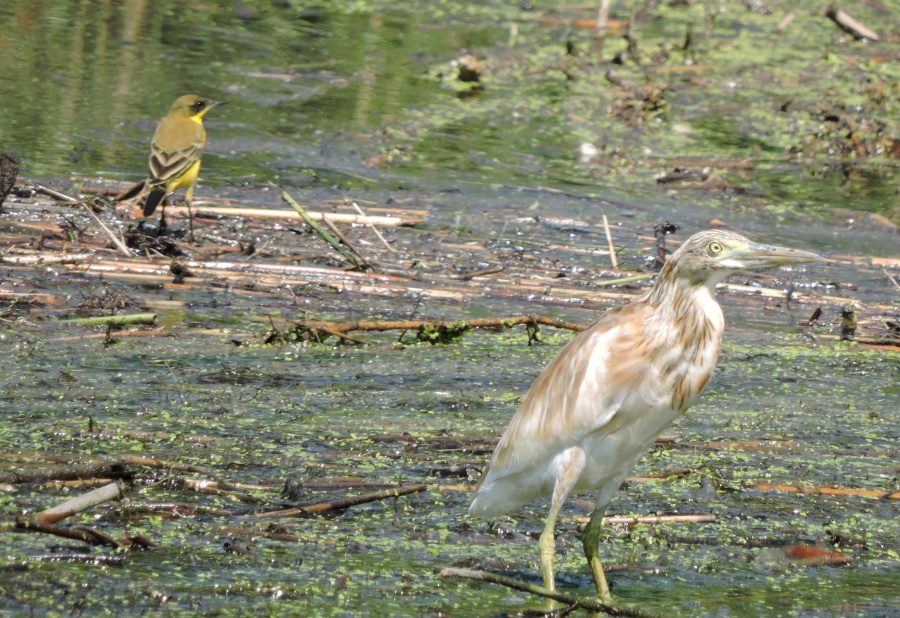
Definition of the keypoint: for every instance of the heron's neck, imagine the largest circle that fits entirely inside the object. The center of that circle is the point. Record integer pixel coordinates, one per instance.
(683, 301)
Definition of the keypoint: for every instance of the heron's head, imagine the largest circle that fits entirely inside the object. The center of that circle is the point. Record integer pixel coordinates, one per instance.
(706, 258)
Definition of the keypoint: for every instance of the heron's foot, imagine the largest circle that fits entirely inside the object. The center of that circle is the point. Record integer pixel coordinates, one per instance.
(600, 580)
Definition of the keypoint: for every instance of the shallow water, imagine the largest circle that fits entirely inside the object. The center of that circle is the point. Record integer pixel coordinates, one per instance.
(313, 96)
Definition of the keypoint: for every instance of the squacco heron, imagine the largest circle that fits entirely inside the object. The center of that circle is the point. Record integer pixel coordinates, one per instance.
(604, 399)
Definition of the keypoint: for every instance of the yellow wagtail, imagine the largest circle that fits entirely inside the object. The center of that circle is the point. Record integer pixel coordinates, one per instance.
(176, 150)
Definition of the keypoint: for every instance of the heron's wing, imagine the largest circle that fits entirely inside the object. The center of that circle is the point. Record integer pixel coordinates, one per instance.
(599, 373)
(175, 148)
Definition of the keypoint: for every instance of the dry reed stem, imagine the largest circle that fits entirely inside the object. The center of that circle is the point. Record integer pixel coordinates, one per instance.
(289, 214)
(82, 503)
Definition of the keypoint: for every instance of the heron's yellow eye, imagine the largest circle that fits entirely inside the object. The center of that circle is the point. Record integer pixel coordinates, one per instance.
(715, 248)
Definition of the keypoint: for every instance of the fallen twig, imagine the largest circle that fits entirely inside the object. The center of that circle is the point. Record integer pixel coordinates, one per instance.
(202, 486)
(652, 519)
(82, 503)
(592, 605)
(55, 194)
(347, 243)
(476, 273)
(178, 509)
(612, 248)
(111, 320)
(82, 558)
(65, 472)
(831, 491)
(850, 25)
(374, 229)
(79, 483)
(324, 507)
(31, 298)
(311, 222)
(78, 533)
(150, 462)
(785, 21)
(120, 245)
(287, 214)
(894, 281)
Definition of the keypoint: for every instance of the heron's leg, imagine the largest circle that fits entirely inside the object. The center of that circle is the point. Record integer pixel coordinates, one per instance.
(571, 464)
(591, 540)
(547, 544)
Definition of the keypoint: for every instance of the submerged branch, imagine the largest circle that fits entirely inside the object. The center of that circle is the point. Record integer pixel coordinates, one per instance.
(65, 472)
(324, 507)
(592, 605)
(78, 533)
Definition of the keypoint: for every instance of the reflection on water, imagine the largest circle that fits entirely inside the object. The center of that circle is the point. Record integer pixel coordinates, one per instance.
(317, 94)
(83, 83)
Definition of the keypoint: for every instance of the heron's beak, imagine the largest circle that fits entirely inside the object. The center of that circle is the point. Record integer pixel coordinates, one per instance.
(755, 255)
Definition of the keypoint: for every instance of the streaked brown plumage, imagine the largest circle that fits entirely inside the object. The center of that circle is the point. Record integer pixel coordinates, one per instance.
(176, 149)
(600, 404)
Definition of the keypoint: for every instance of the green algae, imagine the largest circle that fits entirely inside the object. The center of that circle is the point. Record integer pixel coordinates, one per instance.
(300, 411)
(270, 420)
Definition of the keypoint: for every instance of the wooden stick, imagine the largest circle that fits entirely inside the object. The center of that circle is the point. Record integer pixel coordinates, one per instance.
(112, 320)
(31, 298)
(82, 503)
(55, 194)
(592, 605)
(201, 486)
(287, 214)
(78, 483)
(652, 519)
(113, 468)
(116, 240)
(311, 222)
(78, 470)
(374, 229)
(347, 243)
(476, 273)
(603, 14)
(612, 249)
(79, 533)
(894, 281)
(178, 509)
(785, 21)
(850, 25)
(324, 507)
(831, 491)
(82, 558)
(150, 462)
